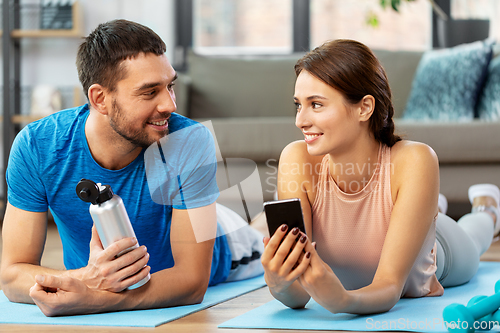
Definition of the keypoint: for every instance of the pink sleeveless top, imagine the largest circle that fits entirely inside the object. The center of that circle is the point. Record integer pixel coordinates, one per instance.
(350, 230)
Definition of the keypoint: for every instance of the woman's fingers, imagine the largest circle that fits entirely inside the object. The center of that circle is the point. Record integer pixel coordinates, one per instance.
(296, 254)
(302, 266)
(273, 243)
(287, 245)
(284, 259)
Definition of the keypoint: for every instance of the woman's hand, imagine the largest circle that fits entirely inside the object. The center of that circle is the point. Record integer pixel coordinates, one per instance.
(281, 266)
(321, 283)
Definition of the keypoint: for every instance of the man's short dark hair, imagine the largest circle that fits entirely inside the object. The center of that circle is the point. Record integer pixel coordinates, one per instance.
(100, 56)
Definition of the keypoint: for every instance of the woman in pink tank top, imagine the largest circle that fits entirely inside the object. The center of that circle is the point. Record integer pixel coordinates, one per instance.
(369, 198)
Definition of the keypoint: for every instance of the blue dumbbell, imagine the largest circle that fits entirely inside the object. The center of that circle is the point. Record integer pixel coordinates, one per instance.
(464, 317)
(484, 321)
(495, 318)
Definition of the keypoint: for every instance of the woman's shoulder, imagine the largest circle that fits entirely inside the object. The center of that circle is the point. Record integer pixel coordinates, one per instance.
(298, 175)
(296, 152)
(407, 152)
(412, 160)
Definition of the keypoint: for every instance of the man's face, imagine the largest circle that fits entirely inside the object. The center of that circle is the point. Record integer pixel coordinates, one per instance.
(143, 101)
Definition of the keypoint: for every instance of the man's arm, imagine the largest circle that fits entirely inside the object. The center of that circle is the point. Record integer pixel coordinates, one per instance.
(23, 238)
(186, 282)
(183, 284)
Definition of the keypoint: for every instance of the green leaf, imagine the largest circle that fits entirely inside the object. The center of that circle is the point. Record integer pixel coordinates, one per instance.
(395, 4)
(372, 20)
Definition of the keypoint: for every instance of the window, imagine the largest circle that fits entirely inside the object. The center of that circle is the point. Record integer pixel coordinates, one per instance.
(479, 9)
(408, 29)
(242, 26)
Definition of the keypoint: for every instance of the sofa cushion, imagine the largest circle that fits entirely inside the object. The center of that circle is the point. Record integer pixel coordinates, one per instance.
(489, 100)
(400, 67)
(447, 83)
(259, 139)
(182, 89)
(456, 142)
(242, 86)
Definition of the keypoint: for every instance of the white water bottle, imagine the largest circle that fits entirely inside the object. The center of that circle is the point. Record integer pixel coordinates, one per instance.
(109, 215)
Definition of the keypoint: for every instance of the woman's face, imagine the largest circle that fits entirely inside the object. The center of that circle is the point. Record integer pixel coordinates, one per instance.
(326, 118)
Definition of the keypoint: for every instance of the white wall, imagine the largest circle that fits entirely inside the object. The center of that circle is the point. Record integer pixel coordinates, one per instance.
(52, 60)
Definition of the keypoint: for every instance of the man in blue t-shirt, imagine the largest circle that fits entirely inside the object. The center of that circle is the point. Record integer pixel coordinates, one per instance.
(161, 164)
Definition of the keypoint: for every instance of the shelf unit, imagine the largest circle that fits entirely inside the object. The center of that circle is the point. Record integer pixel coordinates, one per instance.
(11, 35)
(38, 33)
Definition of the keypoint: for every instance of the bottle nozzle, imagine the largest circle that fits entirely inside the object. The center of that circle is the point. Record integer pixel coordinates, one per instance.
(89, 191)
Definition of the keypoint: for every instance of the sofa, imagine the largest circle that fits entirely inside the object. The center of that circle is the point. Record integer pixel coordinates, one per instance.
(248, 100)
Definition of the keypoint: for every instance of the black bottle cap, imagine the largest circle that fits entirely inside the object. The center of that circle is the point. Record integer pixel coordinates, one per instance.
(105, 194)
(89, 191)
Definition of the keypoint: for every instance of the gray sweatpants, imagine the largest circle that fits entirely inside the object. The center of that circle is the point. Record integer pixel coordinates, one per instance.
(459, 246)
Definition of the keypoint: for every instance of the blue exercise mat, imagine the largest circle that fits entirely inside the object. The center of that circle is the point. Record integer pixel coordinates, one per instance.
(423, 314)
(14, 313)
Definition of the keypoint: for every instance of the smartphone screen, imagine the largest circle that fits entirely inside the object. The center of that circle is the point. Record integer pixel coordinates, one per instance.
(281, 212)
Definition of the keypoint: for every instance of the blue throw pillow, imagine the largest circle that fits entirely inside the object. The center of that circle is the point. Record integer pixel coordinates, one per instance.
(447, 83)
(489, 101)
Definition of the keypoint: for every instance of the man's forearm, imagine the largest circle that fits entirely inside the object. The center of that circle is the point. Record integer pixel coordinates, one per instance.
(17, 279)
(170, 287)
(56, 296)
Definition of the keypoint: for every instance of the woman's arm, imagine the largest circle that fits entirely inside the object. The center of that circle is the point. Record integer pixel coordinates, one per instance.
(415, 189)
(296, 174)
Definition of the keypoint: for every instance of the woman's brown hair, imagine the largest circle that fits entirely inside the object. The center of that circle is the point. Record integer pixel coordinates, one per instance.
(351, 68)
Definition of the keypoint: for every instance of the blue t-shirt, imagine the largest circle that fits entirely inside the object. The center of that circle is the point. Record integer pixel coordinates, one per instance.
(50, 156)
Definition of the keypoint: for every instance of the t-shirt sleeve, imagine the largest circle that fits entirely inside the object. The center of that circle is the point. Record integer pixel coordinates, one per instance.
(25, 189)
(181, 170)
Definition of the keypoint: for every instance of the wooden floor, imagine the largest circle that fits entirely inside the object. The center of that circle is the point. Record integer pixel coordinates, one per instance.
(203, 321)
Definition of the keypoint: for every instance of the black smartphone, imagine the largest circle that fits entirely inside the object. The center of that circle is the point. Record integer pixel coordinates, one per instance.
(281, 212)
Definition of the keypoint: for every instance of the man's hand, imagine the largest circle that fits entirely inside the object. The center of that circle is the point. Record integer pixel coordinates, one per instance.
(57, 296)
(107, 272)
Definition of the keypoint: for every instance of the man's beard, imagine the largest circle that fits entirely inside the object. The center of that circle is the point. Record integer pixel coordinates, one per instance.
(139, 138)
